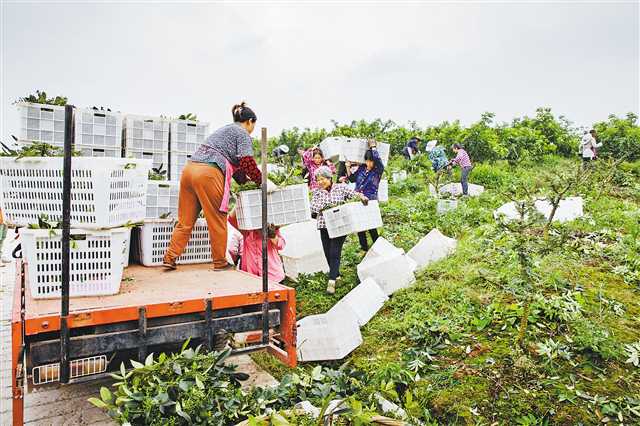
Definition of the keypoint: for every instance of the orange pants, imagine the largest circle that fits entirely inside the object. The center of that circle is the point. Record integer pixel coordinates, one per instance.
(201, 188)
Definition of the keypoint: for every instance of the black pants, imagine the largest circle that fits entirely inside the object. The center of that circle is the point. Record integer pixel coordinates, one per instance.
(362, 237)
(332, 252)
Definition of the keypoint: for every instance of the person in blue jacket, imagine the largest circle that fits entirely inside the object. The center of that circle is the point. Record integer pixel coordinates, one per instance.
(411, 149)
(367, 179)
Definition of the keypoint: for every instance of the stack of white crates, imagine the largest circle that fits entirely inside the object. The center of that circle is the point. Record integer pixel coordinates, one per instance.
(186, 137)
(147, 138)
(106, 194)
(162, 199)
(41, 123)
(155, 236)
(98, 133)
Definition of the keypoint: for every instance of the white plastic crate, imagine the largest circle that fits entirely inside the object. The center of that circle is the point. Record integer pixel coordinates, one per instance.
(94, 151)
(178, 161)
(162, 199)
(329, 336)
(155, 236)
(431, 248)
(392, 273)
(146, 134)
(342, 148)
(157, 159)
(456, 189)
(289, 204)
(301, 238)
(307, 264)
(100, 129)
(97, 261)
(444, 206)
(187, 136)
(381, 248)
(383, 191)
(569, 209)
(105, 192)
(352, 217)
(42, 123)
(399, 176)
(332, 147)
(365, 300)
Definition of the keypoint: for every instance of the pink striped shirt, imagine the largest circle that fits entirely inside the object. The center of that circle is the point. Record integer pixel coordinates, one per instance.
(462, 159)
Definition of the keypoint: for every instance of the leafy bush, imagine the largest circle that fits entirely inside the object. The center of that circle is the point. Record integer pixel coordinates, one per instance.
(619, 137)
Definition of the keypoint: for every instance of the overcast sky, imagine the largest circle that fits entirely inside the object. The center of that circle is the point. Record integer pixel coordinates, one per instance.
(305, 64)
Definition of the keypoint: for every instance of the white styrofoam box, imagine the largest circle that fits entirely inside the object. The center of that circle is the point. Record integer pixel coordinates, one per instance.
(146, 134)
(381, 248)
(399, 176)
(275, 168)
(102, 129)
(178, 161)
(288, 204)
(383, 191)
(187, 136)
(432, 247)
(391, 273)
(456, 189)
(444, 206)
(95, 151)
(365, 300)
(384, 149)
(155, 236)
(329, 336)
(97, 261)
(301, 239)
(105, 192)
(309, 263)
(162, 199)
(352, 217)
(569, 209)
(42, 123)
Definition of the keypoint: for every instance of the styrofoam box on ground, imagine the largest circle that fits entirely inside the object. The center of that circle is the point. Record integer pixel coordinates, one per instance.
(569, 209)
(309, 263)
(105, 192)
(392, 273)
(178, 161)
(383, 191)
(146, 134)
(155, 235)
(431, 248)
(42, 123)
(329, 336)
(456, 189)
(102, 129)
(365, 300)
(162, 199)
(301, 239)
(97, 261)
(352, 217)
(444, 206)
(187, 136)
(289, 204)
(399, 176)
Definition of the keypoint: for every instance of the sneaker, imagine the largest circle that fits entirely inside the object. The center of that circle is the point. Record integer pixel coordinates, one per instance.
(170, 264)
(331, 287)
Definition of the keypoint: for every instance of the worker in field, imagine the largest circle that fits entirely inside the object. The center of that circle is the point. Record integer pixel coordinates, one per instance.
(588, 146)
(206, 182)
(411, 149)
(325, 196)
(462, 159)
(312, 159)
(367, 179)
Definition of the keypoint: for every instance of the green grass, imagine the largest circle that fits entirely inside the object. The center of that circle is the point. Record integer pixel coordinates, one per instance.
(479, 376)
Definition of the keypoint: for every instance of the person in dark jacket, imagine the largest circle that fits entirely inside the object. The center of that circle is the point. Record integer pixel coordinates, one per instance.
(411, 148)
(367, 179)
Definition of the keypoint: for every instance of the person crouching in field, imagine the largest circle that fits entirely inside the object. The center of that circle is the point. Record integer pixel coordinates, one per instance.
(312, 159)
(462, 160)
(367, 179)
(251, 257)
(326, 195)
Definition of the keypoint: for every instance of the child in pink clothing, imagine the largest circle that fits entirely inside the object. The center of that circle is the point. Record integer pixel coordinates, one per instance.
(251, 259)
(312, 159)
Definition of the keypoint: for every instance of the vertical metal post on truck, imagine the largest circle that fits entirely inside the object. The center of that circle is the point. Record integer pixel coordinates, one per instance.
(265, 263)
